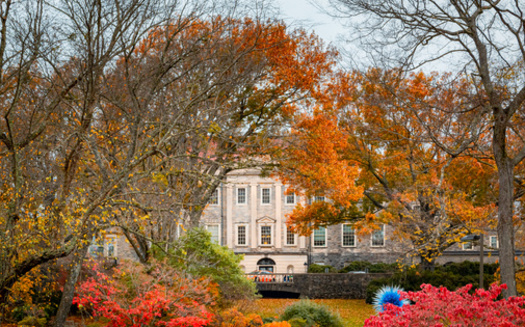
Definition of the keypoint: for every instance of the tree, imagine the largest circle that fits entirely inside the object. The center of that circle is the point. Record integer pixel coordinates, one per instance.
(70, 144)
(198, 256)
(231, 91)
(49, 76)
(369, 154)
(128, 113)
(485, 38)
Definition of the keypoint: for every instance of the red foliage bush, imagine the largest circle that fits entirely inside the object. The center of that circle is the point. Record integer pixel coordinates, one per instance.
(133, 297)
(439, 307)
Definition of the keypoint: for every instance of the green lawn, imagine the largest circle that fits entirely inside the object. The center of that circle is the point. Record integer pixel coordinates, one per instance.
(353, 312)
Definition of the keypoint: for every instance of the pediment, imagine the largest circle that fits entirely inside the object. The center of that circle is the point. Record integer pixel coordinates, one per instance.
(266, 220)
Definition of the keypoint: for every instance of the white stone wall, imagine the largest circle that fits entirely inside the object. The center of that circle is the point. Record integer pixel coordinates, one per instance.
(228, 215)
(284, 263)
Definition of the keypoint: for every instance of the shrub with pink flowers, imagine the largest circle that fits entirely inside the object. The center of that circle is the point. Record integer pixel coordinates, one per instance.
(439, 307)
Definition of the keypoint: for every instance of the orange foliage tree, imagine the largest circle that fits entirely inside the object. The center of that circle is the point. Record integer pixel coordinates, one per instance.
(232, 88)
(482, 40)
(129, 116)
(367, 150)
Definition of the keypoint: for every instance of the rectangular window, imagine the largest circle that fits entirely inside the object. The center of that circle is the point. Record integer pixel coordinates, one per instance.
(290, 236)
(214, 199)
(265, 196)
(494, 242)
(110, 245)
(96, 249)
(266, 235)
(320, 236)
(319, 198)
(105, 246)
(241, 235)
(348, 235)
(378, 237)
(290, 198)
(214, 231)
(467, 246)
(241, 195)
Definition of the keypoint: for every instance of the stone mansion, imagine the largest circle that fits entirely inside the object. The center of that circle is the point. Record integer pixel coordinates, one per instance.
(247, 213)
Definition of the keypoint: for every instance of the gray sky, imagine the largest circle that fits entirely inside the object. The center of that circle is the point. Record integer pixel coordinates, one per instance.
(303, 13)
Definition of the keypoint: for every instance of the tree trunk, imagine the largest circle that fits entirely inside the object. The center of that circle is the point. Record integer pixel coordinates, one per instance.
(139, 245)
(9, 279)
(505, 202)
(69, 288)
(506, 229)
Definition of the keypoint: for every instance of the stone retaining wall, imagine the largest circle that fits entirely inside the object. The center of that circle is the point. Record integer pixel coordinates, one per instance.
(325, 286)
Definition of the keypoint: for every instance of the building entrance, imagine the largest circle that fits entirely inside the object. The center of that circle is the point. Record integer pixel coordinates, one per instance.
(266, 264)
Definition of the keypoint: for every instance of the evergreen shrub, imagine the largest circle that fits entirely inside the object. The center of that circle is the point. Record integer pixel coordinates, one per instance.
(320, 269)
(309, 314)
(370, 267)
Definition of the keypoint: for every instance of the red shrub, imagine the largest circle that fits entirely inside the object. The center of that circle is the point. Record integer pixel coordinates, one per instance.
(439, 307)
(134, 298)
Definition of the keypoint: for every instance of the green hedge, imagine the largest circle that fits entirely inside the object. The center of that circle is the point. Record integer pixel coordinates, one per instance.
(370, 267)
(310, 314)
(451, 276)
(321, 269)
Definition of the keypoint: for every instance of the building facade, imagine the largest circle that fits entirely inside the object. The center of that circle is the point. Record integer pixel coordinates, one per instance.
(248, 215)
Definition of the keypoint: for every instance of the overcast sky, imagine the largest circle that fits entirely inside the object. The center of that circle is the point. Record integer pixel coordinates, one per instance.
(303, 13)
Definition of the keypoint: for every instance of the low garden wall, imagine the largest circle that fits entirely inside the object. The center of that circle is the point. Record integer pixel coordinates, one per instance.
(324, 286)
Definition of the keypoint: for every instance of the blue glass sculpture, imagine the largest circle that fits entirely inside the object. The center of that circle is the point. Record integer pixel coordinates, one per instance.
(388, 294)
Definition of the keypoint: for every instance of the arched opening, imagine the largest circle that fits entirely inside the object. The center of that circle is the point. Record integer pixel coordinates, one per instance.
(266, 264)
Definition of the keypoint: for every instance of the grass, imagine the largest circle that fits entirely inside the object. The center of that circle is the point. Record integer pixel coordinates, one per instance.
(353, 312)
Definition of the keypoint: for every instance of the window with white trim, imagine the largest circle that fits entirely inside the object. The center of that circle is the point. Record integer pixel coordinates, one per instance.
(290, 236)
(348, 235)
(265, 195)
(242, 235)
(110, 245)
(266, 235)
(378, 237)
(214, 231)
(494, 242)
(319, 198)
(241, 195)
(96, 249)
(468, 246)
(320, 236)
(104, 246)
(290, 198)
(214, 199)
